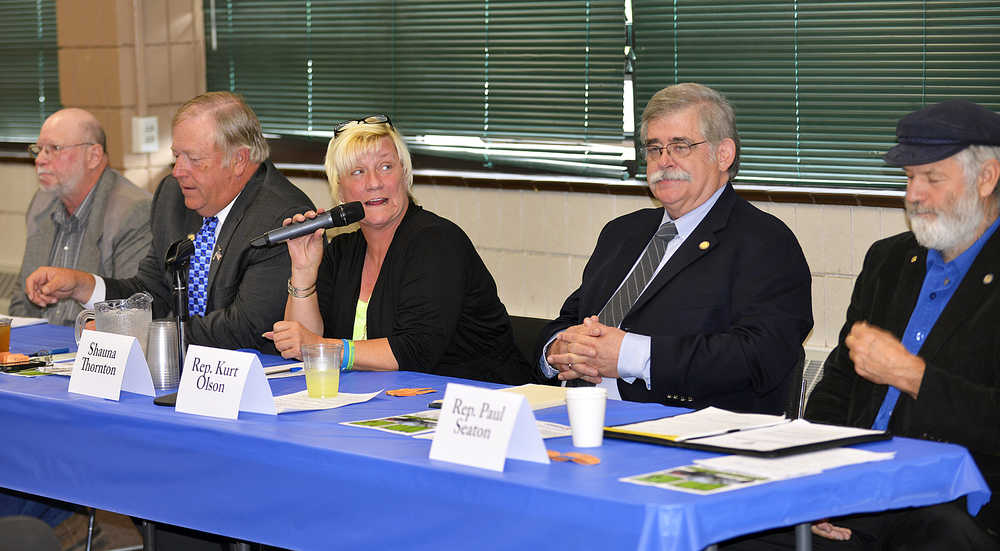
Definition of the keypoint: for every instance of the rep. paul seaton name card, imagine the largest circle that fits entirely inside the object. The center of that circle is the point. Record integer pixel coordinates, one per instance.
(480, 427)
(107, 363)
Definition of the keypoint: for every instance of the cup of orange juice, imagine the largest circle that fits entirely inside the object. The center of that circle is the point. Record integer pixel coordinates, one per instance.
(4, 334)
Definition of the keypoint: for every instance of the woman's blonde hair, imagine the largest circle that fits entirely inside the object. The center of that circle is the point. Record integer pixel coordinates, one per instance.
(360, 139)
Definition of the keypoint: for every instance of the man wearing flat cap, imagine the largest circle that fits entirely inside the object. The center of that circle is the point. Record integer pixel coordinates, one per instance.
(919, 354)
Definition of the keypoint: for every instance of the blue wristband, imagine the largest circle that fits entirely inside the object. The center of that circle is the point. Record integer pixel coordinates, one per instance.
(347, 355)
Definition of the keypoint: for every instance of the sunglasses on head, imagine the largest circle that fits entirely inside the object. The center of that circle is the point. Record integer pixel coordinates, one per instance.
(370, 119)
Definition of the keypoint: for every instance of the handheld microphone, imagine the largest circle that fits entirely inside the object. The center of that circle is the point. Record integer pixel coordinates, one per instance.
(340, 215)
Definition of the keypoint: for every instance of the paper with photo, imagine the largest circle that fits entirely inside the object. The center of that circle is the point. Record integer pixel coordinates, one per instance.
(694, 479)
(412, 424)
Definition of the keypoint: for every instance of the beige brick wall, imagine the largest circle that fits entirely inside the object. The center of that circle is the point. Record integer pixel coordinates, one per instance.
(98, 71)
(18, 181)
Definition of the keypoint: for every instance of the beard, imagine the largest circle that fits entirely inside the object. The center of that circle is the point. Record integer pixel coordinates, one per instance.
(954, 225)
(54, 184)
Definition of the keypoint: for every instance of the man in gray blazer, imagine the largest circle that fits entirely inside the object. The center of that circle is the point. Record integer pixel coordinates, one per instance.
(222, 193)
(85, 215)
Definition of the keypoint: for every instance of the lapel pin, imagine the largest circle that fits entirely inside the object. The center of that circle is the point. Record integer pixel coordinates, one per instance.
(191, 236)
(987, 279)
(218, 256)
(913, 259)
(703, 245)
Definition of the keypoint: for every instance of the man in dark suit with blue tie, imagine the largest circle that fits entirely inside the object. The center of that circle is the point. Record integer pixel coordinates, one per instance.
(223, 191)
(705, 301)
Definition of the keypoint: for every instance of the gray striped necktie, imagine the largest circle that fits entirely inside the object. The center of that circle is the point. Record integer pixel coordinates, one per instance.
(621, 302)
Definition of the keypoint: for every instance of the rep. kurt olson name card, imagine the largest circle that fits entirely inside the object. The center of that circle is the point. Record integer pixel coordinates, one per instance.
(221, 383)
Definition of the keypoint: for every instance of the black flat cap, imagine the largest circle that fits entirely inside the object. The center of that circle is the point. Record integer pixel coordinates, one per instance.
(939, 131)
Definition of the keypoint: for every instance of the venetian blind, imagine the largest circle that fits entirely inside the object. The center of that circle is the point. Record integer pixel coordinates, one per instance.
(818, 86)
(525, 82)
(29, 81)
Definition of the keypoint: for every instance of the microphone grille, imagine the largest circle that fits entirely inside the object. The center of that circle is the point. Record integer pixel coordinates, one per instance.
(353, 212)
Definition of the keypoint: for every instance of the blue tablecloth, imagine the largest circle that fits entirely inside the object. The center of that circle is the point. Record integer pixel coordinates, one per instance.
(304, 481)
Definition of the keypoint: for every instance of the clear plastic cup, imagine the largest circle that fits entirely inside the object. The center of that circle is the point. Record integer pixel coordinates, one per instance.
(321, 362)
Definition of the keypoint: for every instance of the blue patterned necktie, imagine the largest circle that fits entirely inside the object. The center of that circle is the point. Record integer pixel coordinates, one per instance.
(201, 263)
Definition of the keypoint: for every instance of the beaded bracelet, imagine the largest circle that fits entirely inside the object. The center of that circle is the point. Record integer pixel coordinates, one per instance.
(304, 292)
(347, 358)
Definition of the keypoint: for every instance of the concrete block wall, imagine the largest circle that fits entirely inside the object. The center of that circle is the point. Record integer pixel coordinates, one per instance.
(98, 71)
(536, 243)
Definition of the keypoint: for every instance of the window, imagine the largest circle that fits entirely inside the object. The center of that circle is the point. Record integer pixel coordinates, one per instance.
(532, 84)
(29, 82)
(819, 86)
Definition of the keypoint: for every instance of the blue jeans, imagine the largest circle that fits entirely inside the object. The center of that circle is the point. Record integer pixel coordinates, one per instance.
(49, 511)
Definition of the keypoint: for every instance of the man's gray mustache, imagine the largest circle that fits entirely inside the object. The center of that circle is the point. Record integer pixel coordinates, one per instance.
(670, 175)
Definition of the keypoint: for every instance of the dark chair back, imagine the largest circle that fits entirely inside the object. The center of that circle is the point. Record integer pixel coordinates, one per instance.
(526, 332)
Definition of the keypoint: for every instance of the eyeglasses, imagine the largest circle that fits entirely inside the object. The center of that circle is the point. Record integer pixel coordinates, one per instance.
(676, 150)
(370, 119)
(35, 150)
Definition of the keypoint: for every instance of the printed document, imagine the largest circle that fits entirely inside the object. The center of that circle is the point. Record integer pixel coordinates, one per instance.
(697, 424)
(796, 433)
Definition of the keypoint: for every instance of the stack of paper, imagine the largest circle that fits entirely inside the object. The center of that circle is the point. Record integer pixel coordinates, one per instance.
(701, 423)
(796, 434)
(794, 465)
(540, 396)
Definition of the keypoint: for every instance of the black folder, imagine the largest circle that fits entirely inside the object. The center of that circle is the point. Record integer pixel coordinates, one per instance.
(701, 444)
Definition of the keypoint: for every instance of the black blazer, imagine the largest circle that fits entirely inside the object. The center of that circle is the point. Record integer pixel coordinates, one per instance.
(434, 301)
(960, 391)
(247, 285)
(727, 314)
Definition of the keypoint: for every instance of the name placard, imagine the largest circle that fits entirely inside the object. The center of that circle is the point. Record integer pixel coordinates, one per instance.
(221, 383)
(107, 363)
(479, 427)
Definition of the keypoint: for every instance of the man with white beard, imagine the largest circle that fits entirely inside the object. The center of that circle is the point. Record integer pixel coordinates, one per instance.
(920, 351)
